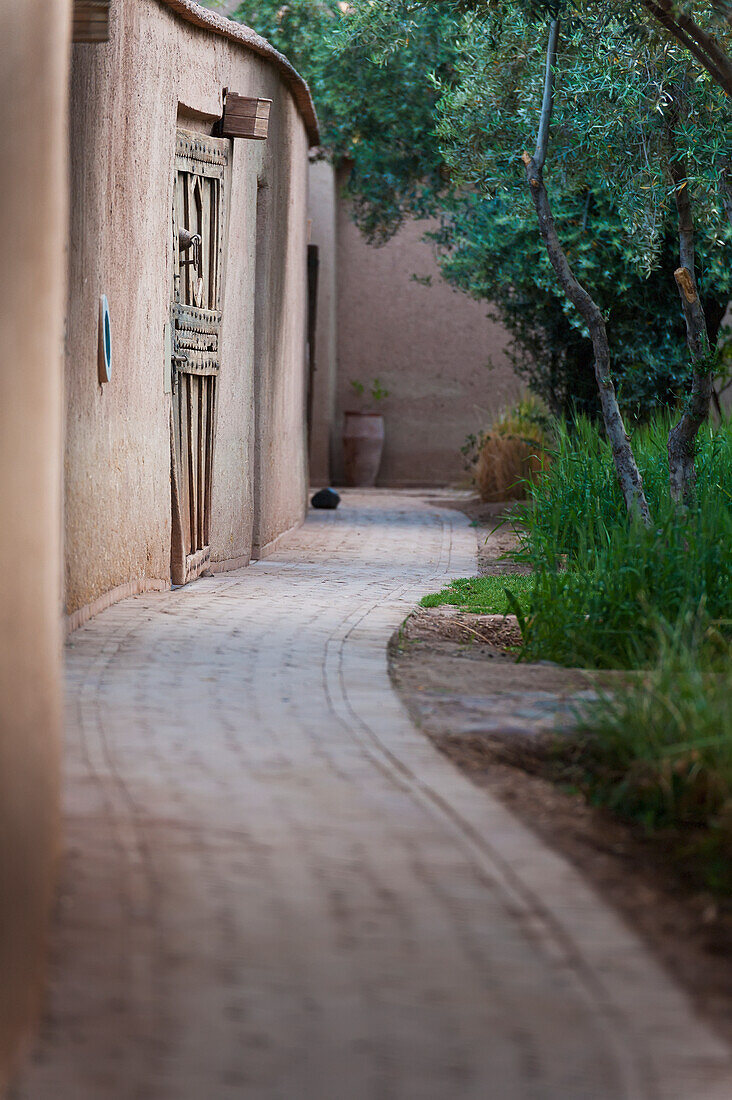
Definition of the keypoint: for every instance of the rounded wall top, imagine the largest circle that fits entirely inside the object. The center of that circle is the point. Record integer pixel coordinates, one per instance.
(245, 36)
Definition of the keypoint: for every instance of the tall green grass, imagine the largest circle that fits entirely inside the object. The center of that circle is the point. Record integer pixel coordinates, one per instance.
(659, 752)
(602, 583)
(609, 593)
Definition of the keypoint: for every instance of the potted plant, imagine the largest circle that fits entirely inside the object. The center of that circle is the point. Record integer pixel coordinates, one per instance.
(363, 437)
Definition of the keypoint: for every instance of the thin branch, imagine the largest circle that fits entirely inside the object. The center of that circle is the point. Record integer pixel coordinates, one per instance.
(547, 104)
(688, 43)
(696, 41)
(703, 39)
(680, 180)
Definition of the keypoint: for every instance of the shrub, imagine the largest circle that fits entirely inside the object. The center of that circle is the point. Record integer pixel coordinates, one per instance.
(512, 454)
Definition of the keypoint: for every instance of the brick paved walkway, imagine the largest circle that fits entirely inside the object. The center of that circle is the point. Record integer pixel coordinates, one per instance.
(275, 889)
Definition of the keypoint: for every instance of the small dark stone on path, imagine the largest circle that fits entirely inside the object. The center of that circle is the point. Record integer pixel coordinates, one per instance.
(325, 498)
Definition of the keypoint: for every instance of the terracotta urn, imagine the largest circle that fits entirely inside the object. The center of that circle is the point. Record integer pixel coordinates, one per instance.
(363, 443)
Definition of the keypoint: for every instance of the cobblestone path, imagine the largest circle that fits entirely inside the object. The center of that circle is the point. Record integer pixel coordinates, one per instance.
(275, 889)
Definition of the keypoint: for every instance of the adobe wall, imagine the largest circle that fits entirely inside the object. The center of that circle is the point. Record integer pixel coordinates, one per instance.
(280, 450)
(128, 96)
(429, 345)
(34, 38)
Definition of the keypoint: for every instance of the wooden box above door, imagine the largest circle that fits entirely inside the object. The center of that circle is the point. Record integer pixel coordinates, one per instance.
(244, 117)
(90, 21)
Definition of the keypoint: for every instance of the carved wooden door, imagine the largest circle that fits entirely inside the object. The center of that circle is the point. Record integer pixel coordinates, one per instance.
(201, 165)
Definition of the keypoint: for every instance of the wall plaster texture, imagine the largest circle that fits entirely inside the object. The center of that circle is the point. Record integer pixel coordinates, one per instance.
(165, 66)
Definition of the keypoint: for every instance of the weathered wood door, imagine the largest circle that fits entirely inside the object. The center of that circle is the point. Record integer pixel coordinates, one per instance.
(201, 175)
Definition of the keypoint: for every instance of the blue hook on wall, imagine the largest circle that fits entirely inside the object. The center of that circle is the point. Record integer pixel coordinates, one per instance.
(105, 341)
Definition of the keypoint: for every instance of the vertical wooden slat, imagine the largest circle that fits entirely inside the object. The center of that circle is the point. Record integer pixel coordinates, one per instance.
(183, 445)
(220, 244)
(212, 386)
(185, 220)
(179, 220)
(192, 455)
(176, 249)
(177, 546)
(194, 225)
(183, 404)
(206, 242)
(200, 462)
(197, 200)
(214, 257)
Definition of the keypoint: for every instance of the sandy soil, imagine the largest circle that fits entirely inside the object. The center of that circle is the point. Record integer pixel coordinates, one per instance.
(496, 719)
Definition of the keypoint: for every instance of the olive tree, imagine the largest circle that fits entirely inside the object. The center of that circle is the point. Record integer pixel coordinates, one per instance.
(436, 105)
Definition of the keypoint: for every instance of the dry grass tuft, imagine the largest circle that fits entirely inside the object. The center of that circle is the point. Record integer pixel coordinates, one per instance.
(506, 462)
(513, 452)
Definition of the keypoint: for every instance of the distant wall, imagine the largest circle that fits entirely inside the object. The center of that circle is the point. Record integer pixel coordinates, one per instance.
(34, 37)
(157, 72)
(429, 345)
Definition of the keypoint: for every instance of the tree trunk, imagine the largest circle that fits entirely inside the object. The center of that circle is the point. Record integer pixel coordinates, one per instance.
(682, 437)
(625, 465)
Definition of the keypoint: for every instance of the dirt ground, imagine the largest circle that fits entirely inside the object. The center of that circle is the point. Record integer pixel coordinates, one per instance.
(495, 719)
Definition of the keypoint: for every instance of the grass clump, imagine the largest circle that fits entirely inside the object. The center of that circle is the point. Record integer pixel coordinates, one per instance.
(602, 583)
(660, 752)
(485, 595)
(512, 453)
(609, 593)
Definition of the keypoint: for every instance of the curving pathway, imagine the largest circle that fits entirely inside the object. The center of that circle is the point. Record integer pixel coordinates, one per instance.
(276, 889)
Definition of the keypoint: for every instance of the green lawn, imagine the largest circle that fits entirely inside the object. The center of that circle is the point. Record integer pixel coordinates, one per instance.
(484, 595)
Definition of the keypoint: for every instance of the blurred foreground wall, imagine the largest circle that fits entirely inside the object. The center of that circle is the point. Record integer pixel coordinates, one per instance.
(34, 46)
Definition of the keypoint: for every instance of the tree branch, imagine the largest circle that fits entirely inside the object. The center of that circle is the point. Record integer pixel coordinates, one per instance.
(625, 465)
(691, 36)
(547, 103)
(703, 39)
(681, 440)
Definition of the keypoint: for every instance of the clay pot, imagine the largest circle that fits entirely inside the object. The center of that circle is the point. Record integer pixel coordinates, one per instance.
(363, 443)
